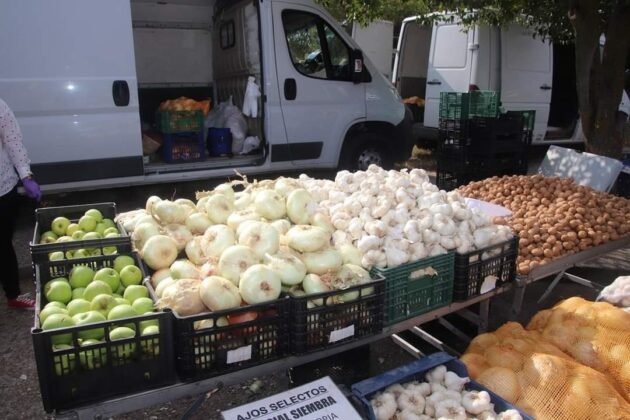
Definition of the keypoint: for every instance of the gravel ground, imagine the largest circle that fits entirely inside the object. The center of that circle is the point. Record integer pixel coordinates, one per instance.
(19, 388)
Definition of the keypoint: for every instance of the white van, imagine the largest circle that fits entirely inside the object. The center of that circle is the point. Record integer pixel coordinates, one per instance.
(84, 76)
(529, 73)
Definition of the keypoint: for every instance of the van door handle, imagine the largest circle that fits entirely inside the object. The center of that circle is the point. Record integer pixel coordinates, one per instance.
(434, 82)
(120, 92)
(545, 87)
(290, 89)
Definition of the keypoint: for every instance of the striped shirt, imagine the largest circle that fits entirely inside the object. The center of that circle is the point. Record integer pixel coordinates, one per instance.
(14, 163)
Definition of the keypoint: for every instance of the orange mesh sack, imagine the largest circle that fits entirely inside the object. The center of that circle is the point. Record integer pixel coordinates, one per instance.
(525, 369)
(596, 334)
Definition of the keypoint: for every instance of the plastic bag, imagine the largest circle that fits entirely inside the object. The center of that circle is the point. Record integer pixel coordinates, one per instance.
(235, 121)
(251, 143)
(250, 101)
(617, 293)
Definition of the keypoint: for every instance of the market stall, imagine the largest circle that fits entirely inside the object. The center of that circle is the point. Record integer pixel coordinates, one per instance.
(259, 276)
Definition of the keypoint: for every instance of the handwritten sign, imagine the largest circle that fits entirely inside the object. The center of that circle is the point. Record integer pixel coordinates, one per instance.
(317, 400)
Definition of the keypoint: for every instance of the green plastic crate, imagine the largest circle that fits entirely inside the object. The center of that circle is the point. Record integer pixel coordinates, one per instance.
(179, 121)
(462, 106)
(484, 103)
(407, 296)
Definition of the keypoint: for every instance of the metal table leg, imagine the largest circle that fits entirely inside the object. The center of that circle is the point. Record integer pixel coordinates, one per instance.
(484, 309)
(552, 286)
(517, 303)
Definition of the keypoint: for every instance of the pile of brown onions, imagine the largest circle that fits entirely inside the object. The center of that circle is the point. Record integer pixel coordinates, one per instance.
(553, 216)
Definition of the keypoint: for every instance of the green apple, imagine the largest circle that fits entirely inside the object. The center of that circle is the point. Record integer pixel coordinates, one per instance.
(92, 358)
(95, 252)
(48, 237)
(142, 305)
(120, 291)
(78, 306)
(123, 261)
(90, 317)
(87, 223)
(47, 311)
(151, 346)
(58, 290)
(59, 225)
(81, 276)
(64, 363)
(55, 321)
(64, 239)
(148, 323)
(78, 293)
(110, 230)
(122, 301)
(100, 228)
(81, 253)
(95, 288)
(55, 304)
(110, 250)
(78, 235)
(134, 292)
(90, 236)
(121, 333)
(103, 303)
(56, 256)
(70, 254)
(109, 223)
(55, 280)
(122, 312)
(95, 214)
(109, 276)
(130, 275)
(72, 227)
(116, 295)
(112, 235)
(151, 329)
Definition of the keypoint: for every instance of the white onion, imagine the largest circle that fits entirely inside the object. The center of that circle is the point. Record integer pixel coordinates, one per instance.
(142, 233)
(189, 205)
(350, 254)
(195, 251)
(261, 237)
(352, 275)
(159, 251)
(217, 239)
(322, 262)
(281, 225)
(218, 208)
(234, 261)
(313, 284)
(201, 204)
(323, 221)
(209, 268)
(164, 283)
(242, 199)
(129, 220)
(184, 269)
(306, 238)
(183, 297)
(180, 234)
(146, 218)
(270, 205)
(300, 205)
(284, 186)
(218, 293)
(151, 202)
(209, 323)
(226, 190)
(241, 216)
(198, 222)
(259, 284)
(160, 275)
(289, 267)
(166, 212)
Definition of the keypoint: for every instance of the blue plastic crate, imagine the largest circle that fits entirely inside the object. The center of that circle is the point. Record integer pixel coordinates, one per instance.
(416, 370)
(183, 147)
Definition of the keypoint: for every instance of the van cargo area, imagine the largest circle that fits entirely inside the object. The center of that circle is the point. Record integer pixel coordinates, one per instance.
(188, 48)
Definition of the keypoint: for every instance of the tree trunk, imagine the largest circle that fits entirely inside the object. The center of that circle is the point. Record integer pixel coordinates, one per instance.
(600, 77)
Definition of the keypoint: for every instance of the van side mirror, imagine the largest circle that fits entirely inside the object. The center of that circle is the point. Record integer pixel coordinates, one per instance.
(357, 66)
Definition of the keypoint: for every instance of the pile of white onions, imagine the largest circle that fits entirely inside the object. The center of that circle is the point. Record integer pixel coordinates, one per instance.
(442, 397)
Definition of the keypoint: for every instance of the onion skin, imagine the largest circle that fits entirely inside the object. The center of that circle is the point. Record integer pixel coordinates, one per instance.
(306, 238)
(183, 298)
(326, 261)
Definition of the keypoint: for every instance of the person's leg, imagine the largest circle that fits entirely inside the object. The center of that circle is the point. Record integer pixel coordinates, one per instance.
(8, 215)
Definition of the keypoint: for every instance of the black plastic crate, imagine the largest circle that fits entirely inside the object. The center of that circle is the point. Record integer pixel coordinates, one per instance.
(416, 371)
(44, 217)
(332, 323)
(472, 268)
(68, 379)
(449, 181)
(183, 147)
(256, 334)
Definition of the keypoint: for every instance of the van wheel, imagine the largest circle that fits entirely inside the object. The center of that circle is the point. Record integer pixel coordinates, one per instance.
(363, 151)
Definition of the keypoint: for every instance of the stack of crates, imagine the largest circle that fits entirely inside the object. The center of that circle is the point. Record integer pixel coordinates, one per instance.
(476, 141)
(183, 135)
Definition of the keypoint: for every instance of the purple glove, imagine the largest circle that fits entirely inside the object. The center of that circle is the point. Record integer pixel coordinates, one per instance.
(31, 188)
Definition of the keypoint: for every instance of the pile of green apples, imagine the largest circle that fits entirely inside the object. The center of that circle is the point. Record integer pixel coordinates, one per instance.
(86, 297)
(92, 225)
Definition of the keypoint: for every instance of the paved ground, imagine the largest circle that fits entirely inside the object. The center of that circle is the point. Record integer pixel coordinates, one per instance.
(19, 388)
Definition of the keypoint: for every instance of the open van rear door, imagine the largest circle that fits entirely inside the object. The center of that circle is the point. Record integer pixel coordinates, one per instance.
(450, 66)
(527, 75)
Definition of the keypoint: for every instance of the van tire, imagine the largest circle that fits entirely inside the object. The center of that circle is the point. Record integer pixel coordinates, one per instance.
(364, 150)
